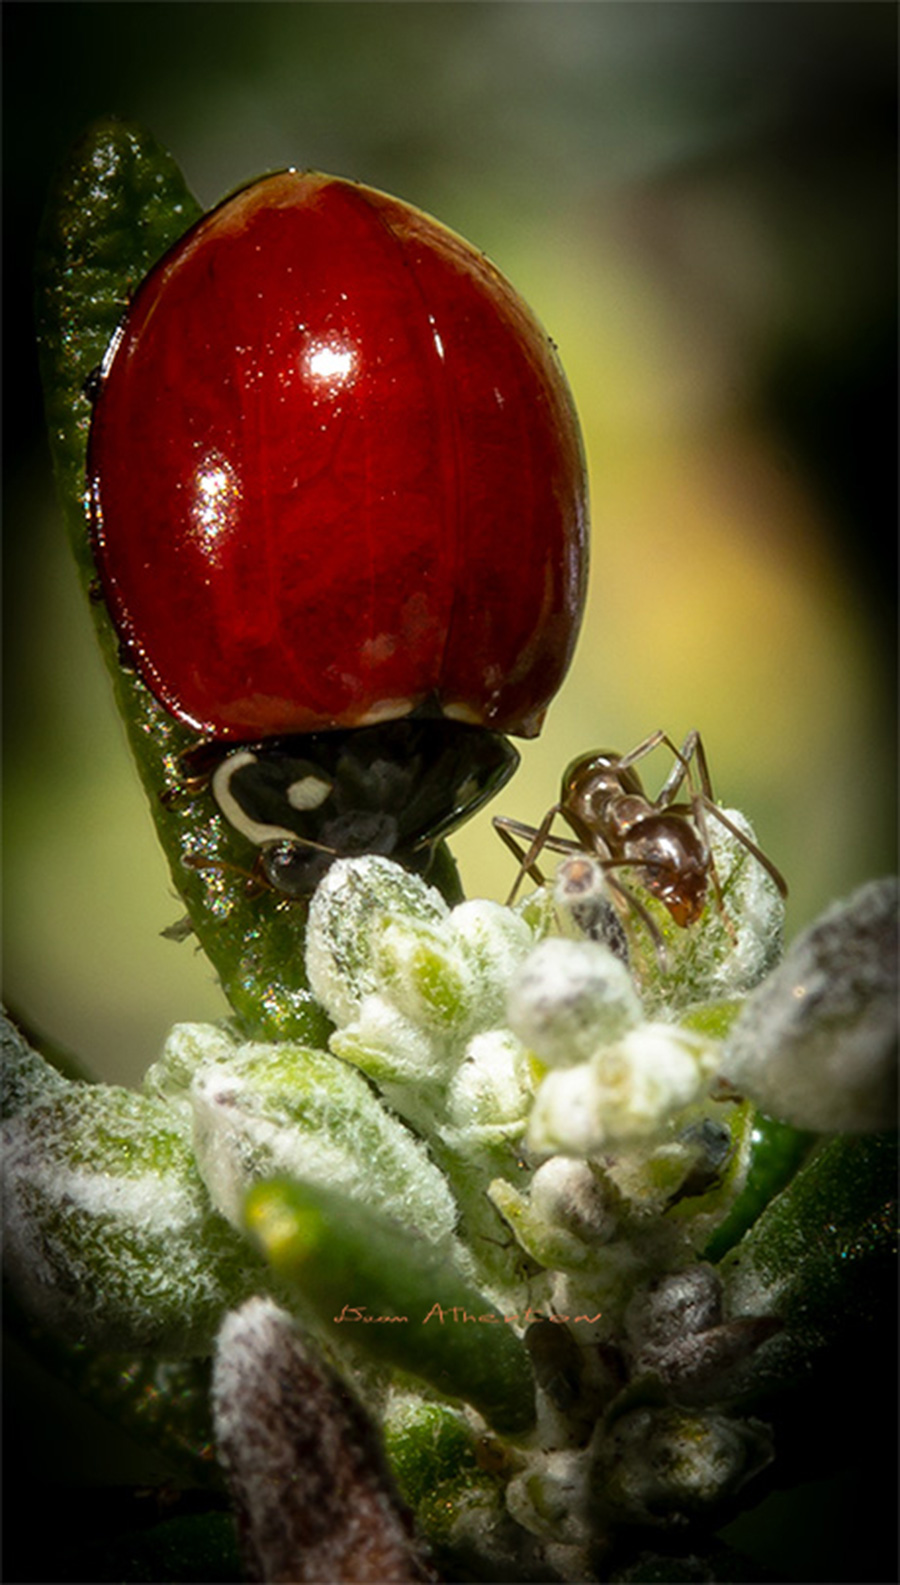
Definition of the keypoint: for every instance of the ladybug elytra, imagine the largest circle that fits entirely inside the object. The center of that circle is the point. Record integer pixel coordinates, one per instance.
(338, 510)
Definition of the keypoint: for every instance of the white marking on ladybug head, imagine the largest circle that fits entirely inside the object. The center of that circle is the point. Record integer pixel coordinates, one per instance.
(309, 792)
(256, 831)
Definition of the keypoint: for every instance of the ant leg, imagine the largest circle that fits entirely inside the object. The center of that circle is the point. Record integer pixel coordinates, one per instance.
(705, 801)
(504, 829)
(691, 762)
(691, 750)
(508, 830)
(698, 753)
(681, 770)
(700, 803)
(643, 749)
(637, 907)
(540, 838)
(708, 806)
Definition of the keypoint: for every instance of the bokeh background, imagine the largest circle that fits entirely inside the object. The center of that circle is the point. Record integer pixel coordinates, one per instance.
(699, 201)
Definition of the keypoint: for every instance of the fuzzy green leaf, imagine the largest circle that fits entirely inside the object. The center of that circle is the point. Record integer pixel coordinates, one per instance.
(349, 1264)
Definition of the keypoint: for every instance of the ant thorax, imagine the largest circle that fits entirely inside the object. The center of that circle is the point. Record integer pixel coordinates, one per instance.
(623, 814)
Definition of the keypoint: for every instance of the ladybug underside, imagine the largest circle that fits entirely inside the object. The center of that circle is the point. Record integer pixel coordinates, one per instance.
(393, 789)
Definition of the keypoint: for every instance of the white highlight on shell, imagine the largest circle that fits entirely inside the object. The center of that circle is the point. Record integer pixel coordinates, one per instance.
(216, 503)
(330, 363)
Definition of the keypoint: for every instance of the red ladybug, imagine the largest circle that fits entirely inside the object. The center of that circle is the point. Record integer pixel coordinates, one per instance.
(336, 480)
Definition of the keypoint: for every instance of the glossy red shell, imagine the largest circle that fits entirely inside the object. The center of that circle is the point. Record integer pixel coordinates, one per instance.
(335, 471)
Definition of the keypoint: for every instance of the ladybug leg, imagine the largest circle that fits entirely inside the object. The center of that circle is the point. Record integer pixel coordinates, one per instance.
(254, 880)
(194, 769)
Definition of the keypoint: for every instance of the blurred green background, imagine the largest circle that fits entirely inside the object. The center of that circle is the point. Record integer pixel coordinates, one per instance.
(699, 201)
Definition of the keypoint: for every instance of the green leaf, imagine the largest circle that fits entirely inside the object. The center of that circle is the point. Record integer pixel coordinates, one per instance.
(352, 1267)
(822, 1258)
(776, 1152)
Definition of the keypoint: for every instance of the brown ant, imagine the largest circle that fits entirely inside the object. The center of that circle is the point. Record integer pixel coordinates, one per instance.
(666, 843)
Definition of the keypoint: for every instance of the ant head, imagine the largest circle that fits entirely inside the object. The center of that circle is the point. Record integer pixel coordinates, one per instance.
(671, 862)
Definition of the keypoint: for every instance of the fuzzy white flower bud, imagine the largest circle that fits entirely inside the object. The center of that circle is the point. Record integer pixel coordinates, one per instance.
(570, 1194)
(340, 936)
(489, 1094)
(569, 998)
(626, 1094)
(288, 1110)
(187, 1049)
(816, 1044)
(549, 1497)
(660, 1465)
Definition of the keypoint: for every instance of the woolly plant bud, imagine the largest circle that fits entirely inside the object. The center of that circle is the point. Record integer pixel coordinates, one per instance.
(273, 1109)
(577, 1197)
(661, 1467)
(816, 1045)
(387, 1046)
(569, 998)
(422, 973)
(570, 1210)
(490, 1093)
(626, 1094)
(353, 896)
(493, 942)
(312, 1491)
(188, 1048)
(549, 1498)
(731, 948)
(26, 1078)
